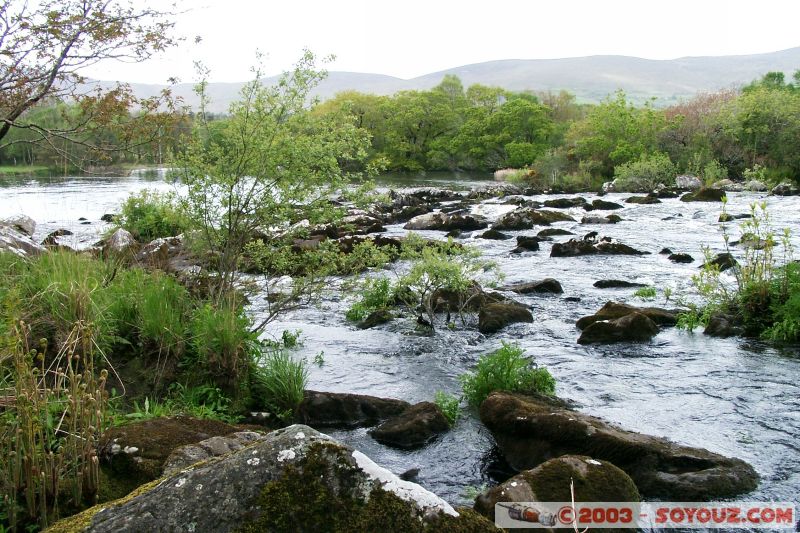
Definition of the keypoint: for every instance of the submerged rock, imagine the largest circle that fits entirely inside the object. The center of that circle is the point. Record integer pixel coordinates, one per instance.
(339, 409)
(415, 427)
(634, 327)
(496, 316)
(530, 430)
(295, 479)
(594, 481)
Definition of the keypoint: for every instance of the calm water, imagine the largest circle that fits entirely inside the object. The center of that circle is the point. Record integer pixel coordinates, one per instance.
(733, 396)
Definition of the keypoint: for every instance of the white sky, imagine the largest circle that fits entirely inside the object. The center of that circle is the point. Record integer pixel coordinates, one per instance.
(408, 38)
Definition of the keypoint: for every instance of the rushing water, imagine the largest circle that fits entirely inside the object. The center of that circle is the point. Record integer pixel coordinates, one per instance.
(733, 396)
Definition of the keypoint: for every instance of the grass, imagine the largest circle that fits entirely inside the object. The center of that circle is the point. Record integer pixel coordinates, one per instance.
(646, 293)
(449, 405)
(23, 169)
(278, 383)
(506, 369)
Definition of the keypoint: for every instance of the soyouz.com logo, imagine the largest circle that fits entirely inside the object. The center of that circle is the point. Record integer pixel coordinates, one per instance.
(651, 515)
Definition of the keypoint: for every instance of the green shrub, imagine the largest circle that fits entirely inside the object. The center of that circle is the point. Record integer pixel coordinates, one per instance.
(645, 293)
(278, 382)
(645, 174)
(449, 405)
(150, 215)
(507, 369)
(376, 294)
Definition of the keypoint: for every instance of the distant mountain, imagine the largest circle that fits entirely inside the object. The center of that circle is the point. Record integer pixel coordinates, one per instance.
(589, 78)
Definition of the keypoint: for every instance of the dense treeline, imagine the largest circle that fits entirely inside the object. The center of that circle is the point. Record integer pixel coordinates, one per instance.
(751, 132)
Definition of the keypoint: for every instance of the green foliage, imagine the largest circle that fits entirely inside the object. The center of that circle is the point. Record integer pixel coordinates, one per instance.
(376, 294)
(645, 293)
(644, 174)
(449, 405)
(506, 369)
(277, 383)
(150, 215)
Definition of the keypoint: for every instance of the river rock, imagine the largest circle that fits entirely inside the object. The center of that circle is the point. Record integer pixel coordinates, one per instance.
(609, 219)
(376, 318)
(727, 217)
(526, 243)
(526, 218)
(634, 327)
(577, 247)
(494, 235)
(53, 236)
(338, 409)
(553, 232)
(547, 285)
(602, 205)
(643, 200)
(724, 261)
(616, 284)
(593, 481)
(446, 222)
(565, 203)
(706, 194)
(14, 241)
(119, 242)
(613, 310)
(404, 214)
(415, 427)
(727, 185)
(785, 189)
(680, 258)
(496, 316)
(722, 325)
(530, 430)
(296, 479)
(22, 223)
(756, 186)
(688, 182)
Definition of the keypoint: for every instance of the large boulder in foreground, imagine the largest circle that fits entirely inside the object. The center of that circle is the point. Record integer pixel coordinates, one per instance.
(634, 327)
(295, 479)
(530, 430)
(339, 409)
(415, 427)
(594, 481)
(494, 317)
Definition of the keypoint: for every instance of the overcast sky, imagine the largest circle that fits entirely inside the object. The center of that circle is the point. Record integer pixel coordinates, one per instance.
(408, 38)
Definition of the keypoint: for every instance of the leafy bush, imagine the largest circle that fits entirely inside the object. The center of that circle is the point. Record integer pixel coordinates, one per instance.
(449, 405)
(278, 382)
(376, 294)
(507, 369)
(150, 215)
(645, 174)
(645, 293)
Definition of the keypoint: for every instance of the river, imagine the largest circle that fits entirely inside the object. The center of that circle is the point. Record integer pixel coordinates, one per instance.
(735, 396)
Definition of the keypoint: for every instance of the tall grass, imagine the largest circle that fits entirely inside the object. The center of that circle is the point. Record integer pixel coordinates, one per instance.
(278, 383)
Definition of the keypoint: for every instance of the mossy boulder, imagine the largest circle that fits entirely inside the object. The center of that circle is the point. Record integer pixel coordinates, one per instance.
(614, 310)
(296, 479)
(337, 409)
(542, 286)
(705, 194)
(643, 200)
(530, 430)
(415, 427)
(634, 327)
(594, 481)
(496, 316)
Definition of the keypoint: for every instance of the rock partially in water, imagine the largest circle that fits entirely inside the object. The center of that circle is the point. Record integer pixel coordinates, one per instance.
(526, 218)
(608, 219)
(496, 316)
(756, 186)
(634, 327)
(53, 236)
(530, 430)
(602, 205)
(590, 246)
(339, 409)
(706, 194)
(688, 182)
(785, 189)
(447, 222)
(613, 310)
(643, 200)
(376, 318)
(722, 325)
(680, 258)
(527, 243)
(565, 203)
(553, 232)
(547, 286)
(594, 481)
(296, 479)
(415, 427)
(494, 235)
(723, 261)
(616, 284)
(727, 217)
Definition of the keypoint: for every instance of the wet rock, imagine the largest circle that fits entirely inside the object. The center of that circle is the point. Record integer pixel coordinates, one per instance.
(141, 449)
(609, 219)
(415, 427)
(447, 222)
(408, 212)
(186, 456)
(723, 260)
(496, 316)
(593, 481)
(613, 310)
(526, 243)
(728, 217)
(602, 205)
(785, 189)
(494, 235)
(14, 241)
(53, 236)
(553, 232)
(337, 409)
(565, 203)
(688, 182)
(266, 486)
(756, 186)
(410, 475)
(22, 223)
(376, 318)
(642, 200)
(472, 299)
(705, 194)
(722, 325)
(634, 327)
(526, 218)
(108, 217)
(665, 251)
(530, 430)
(680, 258)
(616, 284)
(575, 247)
(547, 285)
